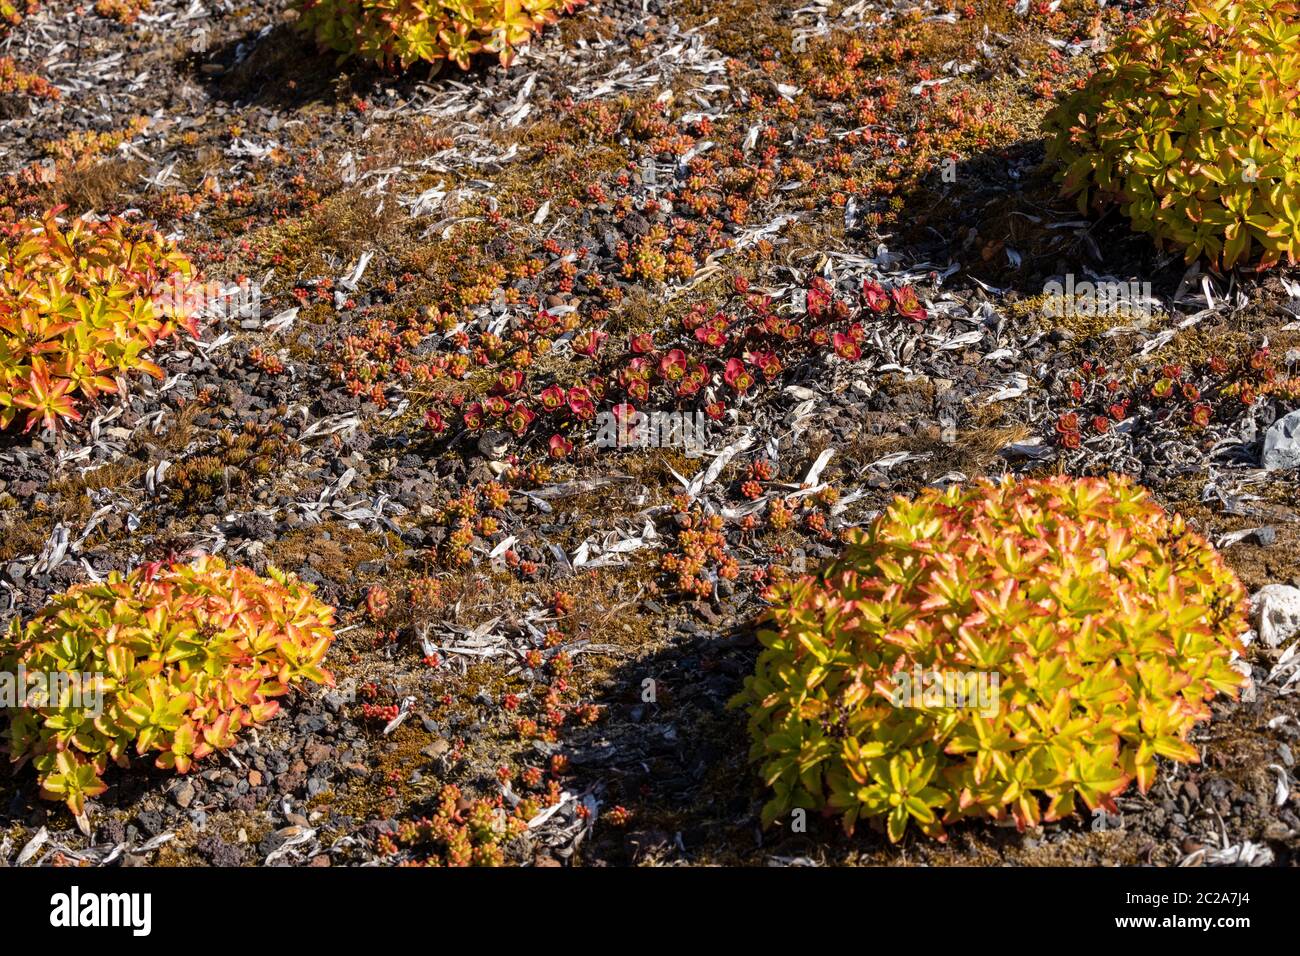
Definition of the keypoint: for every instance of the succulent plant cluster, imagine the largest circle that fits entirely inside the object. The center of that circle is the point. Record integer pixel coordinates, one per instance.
(477, 512)
(398, 33)
(1173, 397)
(235, 461)
(472, 835)
(184, 655)
(711, 180)
(1190, 123)
(461, 831)
(712, 360)
(13, 11)
(1107, 624)
(79, 306)
(15, 80)
(123, 11)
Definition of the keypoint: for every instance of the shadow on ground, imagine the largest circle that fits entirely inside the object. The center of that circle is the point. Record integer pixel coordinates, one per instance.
(1000, 214)
(284, 69)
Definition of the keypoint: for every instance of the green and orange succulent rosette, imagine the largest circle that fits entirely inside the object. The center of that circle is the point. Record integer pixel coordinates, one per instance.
(80, 305)
(180, 658)
(398, 33)
(1108, 624)
(1191, 124)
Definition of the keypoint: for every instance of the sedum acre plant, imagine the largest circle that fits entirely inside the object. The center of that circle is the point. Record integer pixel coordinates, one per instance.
(185, 656)
(13, 11)
(1102, 624)
(79, 305)
(397, 33)
(1192, 124)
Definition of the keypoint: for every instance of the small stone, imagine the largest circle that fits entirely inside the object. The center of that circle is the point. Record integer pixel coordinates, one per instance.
(254, 778)
(273, 841)
(316, 753)
(437, 748)
(1277, 830)
(493, 445)
(1282, 444)
(1276, 609)
(184, 794)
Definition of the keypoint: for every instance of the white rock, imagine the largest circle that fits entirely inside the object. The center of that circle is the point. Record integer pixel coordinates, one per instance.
(494, 445)
(1282, 443)
(1276, 610)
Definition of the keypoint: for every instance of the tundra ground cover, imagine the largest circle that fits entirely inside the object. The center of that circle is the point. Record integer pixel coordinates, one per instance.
(824, 235)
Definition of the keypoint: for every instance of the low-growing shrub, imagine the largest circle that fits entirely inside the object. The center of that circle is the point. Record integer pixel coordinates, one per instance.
(79, 305)
(1103, 626)
(1190, 123)
(397, 33)
(185, 656)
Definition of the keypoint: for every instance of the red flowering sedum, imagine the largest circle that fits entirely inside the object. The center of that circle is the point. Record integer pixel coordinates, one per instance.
(187, 656)
(1109, 627)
